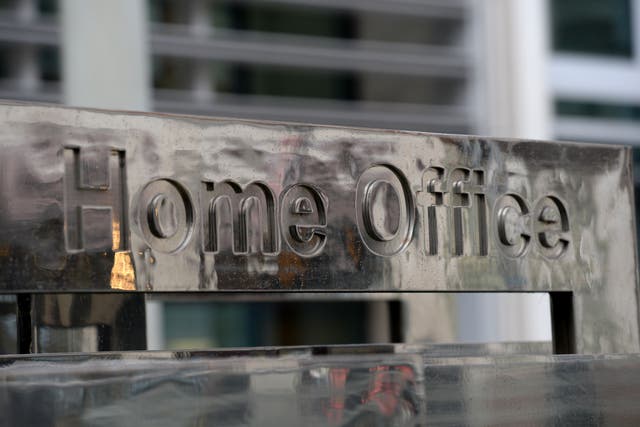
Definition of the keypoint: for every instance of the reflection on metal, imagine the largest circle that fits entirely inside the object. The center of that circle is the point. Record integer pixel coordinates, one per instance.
(93, 202)
(8, 324)
(122, 274)
(354, 386)
(302, 390)
(69, 339)
(87, 322)
(97, 201)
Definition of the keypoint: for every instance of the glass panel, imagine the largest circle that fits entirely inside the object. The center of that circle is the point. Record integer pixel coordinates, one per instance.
(283, 19)
(48, 7)
(49, 62)
(244, 324)
(208, 321)
(592, 26)
(597, 110)
(295, 82)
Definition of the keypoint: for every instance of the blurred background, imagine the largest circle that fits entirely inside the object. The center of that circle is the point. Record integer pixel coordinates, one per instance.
(543, 69)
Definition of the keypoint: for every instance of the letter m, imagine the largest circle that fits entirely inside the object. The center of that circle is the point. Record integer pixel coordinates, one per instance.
(243, 219)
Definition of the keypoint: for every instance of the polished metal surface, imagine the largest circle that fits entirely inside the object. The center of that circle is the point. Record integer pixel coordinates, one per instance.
(87, 322)
(8, 325)
(110, 201)
(350, 386)
(100, 209)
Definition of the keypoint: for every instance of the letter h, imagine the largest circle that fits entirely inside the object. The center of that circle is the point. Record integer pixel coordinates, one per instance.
(95, 199)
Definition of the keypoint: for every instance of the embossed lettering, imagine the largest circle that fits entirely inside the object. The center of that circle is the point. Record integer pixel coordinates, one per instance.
(513, 224)
(431, 198)
(95, 199)
(468, 211)
(165, 215)
(552, 226)
(244, 219)
(383, 191)
(303, 216)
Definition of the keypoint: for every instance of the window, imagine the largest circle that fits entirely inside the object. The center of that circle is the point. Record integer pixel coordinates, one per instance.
(592, 26)
(599, 110)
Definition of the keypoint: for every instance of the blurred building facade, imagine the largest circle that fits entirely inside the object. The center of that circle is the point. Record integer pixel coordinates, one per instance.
(595, 74)
(381, 63)
(385, 63)
(565, 69)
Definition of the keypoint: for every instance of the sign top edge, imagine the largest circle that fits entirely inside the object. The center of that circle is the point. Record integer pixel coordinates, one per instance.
(7, 103)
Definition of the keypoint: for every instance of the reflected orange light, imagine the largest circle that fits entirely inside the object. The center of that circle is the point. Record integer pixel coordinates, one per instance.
(115, 235)
(122, 274)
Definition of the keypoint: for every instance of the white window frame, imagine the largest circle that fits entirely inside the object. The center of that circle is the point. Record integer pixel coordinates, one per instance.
(601, 79)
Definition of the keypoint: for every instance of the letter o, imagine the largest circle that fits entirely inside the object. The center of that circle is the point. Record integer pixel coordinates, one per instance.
(383, 192)
(165, 215)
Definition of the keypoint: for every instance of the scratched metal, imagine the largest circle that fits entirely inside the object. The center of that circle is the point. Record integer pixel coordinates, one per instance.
(103, 201)
(339, 386)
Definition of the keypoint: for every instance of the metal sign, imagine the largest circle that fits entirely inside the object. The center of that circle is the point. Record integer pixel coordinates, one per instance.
(100, 201)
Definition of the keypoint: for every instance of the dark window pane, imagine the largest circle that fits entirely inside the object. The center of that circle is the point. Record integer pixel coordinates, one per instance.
(48, 7)
(49, 58)
(282, 19)
(592, 26)
(298, 82)
(598, 110)
(250, 324)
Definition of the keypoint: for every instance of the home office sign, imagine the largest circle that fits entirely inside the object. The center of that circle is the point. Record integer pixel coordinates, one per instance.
(101, 200)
